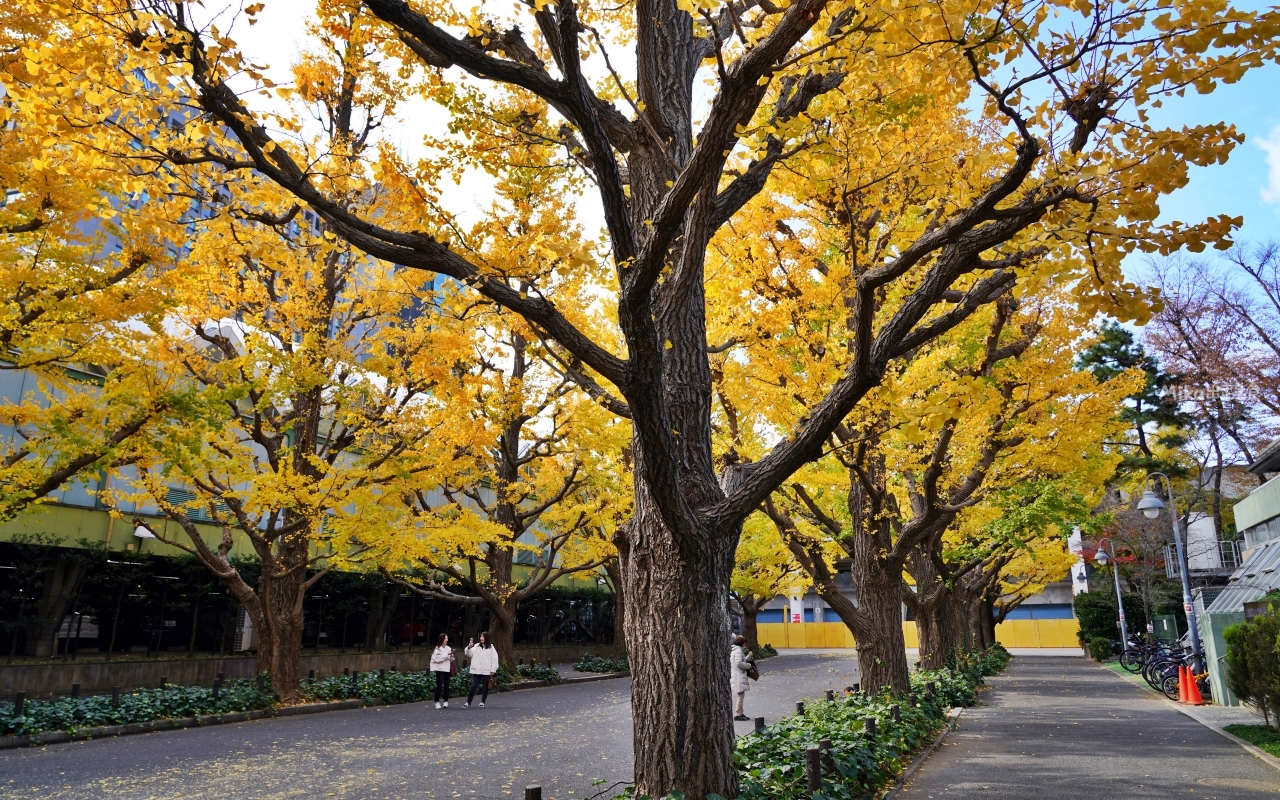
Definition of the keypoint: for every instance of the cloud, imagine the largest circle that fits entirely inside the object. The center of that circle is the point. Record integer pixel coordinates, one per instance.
(1270, 145)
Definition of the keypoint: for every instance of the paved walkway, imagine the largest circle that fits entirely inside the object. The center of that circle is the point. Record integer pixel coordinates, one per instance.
(563, 737)
(1058, 728)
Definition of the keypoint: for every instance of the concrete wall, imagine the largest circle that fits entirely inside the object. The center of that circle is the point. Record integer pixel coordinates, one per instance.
(1010, 633)
(97, 677)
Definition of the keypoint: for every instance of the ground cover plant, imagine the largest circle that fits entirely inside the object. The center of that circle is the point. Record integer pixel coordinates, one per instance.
(763, 651)
(771, 762)
(1258, 735)
(171, 702)
(594, 663)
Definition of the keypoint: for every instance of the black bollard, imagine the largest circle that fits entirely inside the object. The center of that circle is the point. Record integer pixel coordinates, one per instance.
(382, 674)
(393, 669)
(19, 703)
(75, 691)
(217, 689)
(813, 768)
(346, 671)
(759, 724)
(871, 727)
(115, 696)
(830, 695)
(311, 675)
(800, 708)
(164, 681)
(896, 712)
(533, 792)
(930, 689)
(262, 682)
(857, 687)
(828, 760)
(549, 664)
(221, 675)
(520, 662)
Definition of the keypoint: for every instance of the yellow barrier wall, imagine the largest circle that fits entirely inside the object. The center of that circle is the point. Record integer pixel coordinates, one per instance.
(1011, 633)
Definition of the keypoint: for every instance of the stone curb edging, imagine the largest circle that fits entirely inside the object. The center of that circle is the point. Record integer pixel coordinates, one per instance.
(953, 716)
(204, 720)
(1252, 749)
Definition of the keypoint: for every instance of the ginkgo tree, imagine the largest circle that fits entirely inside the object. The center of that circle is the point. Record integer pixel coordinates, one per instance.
(980, 411)
(1072, 178)
(321, 376)
(79, 261)
(536, 485)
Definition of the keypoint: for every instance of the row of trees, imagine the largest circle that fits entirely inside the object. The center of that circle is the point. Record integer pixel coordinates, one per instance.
(842, 314)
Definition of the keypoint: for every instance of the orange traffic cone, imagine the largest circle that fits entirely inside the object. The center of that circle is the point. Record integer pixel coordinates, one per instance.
(1193, 689)
(1182, 685)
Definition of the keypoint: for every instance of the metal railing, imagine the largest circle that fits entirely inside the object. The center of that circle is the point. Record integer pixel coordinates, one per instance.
(1227, 558)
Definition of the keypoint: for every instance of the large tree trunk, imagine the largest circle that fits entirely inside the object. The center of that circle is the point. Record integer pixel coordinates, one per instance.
(939, 639)
(750, 610)
(614, 571)
(279, 632)
(876, 623)
(678, 644)
(502, 629)
(55, 599)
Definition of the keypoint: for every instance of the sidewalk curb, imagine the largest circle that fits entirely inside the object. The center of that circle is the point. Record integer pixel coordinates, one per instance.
(204, 720)
(953, 716)
(1253, 750)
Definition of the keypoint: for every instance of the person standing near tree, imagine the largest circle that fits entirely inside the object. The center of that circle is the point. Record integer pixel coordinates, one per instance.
(484, 663)
(739, 665)
(442, 665)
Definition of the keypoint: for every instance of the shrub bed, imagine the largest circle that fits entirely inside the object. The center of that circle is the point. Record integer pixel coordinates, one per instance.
(177, 702)
(171, 702)
(772, 762)
(762, 651)
(394, 687)
(592, 663)
(539, 672)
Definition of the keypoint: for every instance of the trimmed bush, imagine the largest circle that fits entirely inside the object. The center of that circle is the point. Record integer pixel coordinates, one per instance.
(591, 663)
(762, 651)
(539, 672)
(772, 762)
(1100, 648)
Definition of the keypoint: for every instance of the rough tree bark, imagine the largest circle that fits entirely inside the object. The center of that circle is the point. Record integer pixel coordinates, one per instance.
(750, 611)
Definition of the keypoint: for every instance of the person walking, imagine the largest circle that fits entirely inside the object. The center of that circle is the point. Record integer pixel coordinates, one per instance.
(740, 663)
(442, 662)
(484, 663)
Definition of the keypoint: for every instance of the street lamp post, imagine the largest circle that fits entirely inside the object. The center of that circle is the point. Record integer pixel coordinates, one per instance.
(1150, 506)
(1101, 558)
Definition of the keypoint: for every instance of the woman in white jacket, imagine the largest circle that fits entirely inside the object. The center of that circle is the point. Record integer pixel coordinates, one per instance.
(484, 663)
(739, 665)
(442, 666)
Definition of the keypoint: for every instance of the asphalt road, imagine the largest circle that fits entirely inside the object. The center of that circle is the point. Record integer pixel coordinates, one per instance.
(565, 738)
(1064, 729)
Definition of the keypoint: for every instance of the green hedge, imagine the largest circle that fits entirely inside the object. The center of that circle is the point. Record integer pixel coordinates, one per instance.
(762, 651)
(172, 702)
(772, 762)
(592, 663)
(394, 687)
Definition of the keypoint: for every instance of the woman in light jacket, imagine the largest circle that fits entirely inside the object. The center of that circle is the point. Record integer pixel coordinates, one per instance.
(484, 663)
(442, 666)
(739, 664)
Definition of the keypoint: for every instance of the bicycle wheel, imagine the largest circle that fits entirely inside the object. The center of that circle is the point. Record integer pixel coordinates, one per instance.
(1132, 660)
(1170, 686)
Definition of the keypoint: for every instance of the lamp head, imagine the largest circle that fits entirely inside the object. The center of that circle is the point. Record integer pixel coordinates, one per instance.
(141, 532)
(1101, 557)
(1150, 505)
